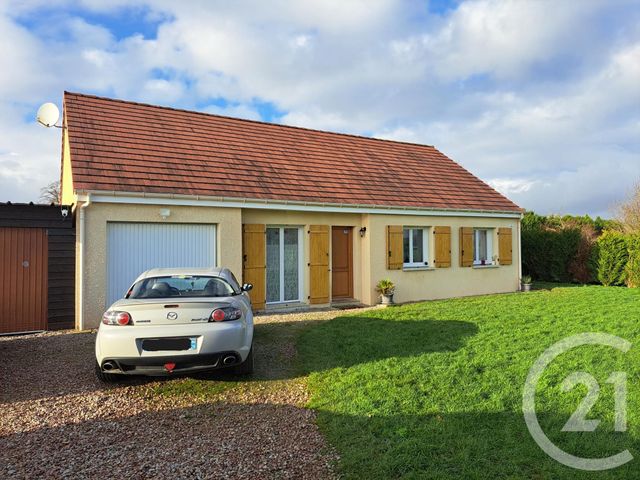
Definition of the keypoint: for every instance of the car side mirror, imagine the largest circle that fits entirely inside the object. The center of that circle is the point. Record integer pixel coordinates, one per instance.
(247, 287)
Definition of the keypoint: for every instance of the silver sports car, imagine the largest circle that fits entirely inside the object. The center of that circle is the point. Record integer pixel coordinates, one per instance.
(176, 320)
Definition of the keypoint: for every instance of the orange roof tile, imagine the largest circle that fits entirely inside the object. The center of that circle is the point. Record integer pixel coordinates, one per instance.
(132, 147)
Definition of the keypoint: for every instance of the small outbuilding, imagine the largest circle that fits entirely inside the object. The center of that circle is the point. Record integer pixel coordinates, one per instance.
(308, 217)
(37, 268)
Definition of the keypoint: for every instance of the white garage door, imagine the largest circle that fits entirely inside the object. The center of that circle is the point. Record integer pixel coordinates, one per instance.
(133, 248)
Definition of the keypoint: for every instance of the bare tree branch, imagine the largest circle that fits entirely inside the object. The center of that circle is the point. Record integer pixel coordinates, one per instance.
(50, 193)
(628, 212)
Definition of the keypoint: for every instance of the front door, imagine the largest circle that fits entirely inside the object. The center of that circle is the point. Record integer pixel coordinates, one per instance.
(342, 262)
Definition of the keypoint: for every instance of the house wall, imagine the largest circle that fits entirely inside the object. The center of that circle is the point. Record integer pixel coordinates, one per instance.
(454, 281)
(229, 241)
(369, 252)
(67, 194)
(304, 219)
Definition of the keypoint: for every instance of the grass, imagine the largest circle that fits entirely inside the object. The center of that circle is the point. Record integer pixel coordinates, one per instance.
(434, 390)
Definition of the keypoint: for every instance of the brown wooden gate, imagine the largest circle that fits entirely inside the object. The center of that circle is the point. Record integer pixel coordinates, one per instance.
(23, 279)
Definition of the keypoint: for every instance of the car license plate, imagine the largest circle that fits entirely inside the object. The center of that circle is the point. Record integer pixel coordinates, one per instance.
(166, 344)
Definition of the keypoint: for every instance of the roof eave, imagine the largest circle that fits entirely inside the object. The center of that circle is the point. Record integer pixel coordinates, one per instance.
(105, 196)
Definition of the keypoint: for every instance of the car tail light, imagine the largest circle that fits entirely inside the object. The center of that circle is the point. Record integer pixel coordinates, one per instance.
(225, 314)
(116, 318)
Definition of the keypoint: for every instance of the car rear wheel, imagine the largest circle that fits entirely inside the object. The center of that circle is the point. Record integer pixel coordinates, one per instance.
(246, 367)
(105, 377)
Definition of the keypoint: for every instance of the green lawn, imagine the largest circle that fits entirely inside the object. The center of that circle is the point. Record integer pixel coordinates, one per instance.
(434, 390)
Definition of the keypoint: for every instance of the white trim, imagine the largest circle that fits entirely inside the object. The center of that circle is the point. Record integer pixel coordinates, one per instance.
(519, 228)
(86, 202)
(423, 268)
(206, 201)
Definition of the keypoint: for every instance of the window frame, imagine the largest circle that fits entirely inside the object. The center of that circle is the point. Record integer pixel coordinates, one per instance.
(477, 261)
(425, 247)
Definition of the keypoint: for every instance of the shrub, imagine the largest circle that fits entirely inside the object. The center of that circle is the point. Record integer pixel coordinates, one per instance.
(612, 258)
(632, 272)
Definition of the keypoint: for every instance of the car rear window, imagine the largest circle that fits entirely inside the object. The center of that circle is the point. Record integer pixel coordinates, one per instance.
(181, 286)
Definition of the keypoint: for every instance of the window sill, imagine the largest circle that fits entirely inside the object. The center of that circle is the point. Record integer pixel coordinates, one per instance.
(414, 269)
(486, 266)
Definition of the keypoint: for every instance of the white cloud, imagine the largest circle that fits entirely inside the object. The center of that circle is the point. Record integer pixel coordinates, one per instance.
(537, 103)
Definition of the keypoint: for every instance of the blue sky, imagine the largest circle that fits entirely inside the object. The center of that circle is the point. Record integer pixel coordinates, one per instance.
(538, 98)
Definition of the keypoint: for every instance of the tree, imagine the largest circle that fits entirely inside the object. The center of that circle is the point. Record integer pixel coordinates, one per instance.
(50, 193)
(629, 211)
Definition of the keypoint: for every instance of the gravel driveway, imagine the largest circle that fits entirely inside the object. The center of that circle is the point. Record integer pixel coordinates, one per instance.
(58, 421)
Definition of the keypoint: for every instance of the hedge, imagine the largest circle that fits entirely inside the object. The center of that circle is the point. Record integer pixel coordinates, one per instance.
(612, 257)
(632, 270)
(579, 249)
(547, 253)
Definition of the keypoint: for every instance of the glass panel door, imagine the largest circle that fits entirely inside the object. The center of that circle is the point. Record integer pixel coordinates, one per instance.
(291, 264)
(273, 264)
(283, 264)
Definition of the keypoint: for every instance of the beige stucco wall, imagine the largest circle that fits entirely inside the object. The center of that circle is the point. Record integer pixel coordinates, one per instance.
(229, 233)
(369, 253)
(304, 219)
(412, 285)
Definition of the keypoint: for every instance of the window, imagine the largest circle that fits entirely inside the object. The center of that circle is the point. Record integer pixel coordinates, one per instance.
(182, 286)
(415, 249)
(483, 246)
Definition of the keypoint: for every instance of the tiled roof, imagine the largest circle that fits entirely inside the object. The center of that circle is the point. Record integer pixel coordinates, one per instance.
(132, 147)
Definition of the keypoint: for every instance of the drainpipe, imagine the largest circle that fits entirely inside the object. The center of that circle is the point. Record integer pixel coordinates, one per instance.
(520, 251)
(86, 203)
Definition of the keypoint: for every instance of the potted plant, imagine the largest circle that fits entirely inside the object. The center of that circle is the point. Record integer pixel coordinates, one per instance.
(526, 283)
(386, 288)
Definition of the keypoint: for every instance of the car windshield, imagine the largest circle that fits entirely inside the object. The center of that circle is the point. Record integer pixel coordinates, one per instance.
(181, 286)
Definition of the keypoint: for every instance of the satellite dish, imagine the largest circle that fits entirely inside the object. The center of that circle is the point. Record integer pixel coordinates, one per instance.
(48, 115)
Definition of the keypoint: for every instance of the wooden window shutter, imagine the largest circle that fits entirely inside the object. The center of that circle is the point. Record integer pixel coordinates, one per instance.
(505, 249)
(254, 262)
(466, 246)
(442, 236)
(319, 263)
(395, 256)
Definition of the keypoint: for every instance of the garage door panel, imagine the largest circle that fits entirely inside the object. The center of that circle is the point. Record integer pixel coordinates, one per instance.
(133, 248)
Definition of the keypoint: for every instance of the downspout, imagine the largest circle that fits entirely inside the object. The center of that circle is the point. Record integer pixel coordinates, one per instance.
(86, 203)
(520, 251)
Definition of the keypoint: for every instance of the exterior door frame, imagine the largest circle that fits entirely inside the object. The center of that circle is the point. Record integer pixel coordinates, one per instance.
(349, 261)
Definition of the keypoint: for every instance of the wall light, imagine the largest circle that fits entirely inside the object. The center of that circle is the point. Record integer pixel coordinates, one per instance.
(363, 230)
(165, 213)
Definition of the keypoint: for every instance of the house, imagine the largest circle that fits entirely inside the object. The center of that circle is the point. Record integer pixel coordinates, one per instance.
(308, 217)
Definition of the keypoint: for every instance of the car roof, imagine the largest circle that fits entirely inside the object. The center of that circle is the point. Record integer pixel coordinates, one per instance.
(166, 272)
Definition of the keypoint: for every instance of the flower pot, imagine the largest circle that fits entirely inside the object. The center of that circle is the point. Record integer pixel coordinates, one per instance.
(386, 299)
(526, 287)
